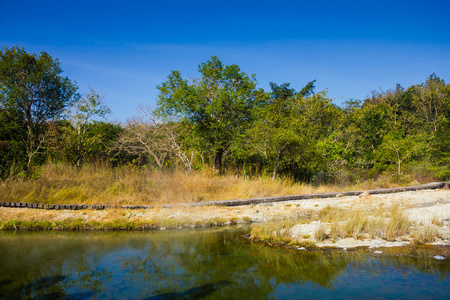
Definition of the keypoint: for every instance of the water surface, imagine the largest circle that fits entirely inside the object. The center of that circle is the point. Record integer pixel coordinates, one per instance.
(207, 264)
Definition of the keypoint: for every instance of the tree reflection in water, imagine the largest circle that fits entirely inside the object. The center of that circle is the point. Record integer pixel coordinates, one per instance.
(185, 264)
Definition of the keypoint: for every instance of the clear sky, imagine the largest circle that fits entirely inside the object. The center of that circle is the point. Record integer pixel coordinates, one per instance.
(124, 49)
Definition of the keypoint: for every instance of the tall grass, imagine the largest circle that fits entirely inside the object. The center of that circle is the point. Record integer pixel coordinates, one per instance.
(129, 185)
(63, 184)
(387, 223)
(337, 223)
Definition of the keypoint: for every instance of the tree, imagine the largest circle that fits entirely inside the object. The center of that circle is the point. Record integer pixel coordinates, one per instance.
(289, 128)
(398, 149)
(80, 115)
(32, 93)
(147, 134)
(431, 100)
(218, 105)
(272, 131)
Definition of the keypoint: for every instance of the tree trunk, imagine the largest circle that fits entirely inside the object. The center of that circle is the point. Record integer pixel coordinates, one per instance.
(80, 145)
(218, 160)
(275, 167)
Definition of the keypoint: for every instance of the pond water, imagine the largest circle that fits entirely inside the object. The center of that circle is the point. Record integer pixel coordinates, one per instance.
(207, 264)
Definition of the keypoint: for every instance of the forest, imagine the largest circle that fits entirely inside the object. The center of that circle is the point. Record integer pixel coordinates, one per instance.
(222, 122)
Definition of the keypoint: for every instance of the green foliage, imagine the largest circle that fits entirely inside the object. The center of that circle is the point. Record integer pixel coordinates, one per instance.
(218, 105)
(32, 93)
(221, 120)
(80, 115)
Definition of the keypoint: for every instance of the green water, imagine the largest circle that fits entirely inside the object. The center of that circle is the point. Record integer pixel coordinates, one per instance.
(207, 264)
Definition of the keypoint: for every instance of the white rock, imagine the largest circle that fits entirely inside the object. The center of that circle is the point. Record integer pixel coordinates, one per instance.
(364, 194)
(377, 252)
(439, 257)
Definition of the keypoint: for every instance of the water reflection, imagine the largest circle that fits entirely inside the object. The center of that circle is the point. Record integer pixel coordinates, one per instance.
(205, 264)
(193, 293)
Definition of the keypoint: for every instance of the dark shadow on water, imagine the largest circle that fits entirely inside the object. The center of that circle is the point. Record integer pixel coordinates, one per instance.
(193, 293)
(38, 288)
(5, 282)
(81, 296)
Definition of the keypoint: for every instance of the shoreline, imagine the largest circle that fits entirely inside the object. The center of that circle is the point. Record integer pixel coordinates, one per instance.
(429, 207)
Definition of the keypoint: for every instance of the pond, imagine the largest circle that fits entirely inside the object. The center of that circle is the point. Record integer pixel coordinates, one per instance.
(208, 264)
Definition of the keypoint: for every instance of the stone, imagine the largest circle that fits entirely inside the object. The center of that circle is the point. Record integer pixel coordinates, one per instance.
(364, 194)
(439, 257)
(377, 252)
(364, 235)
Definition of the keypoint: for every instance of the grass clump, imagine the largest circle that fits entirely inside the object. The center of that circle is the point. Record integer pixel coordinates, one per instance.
(383, 223)
(274, 231)
(334, 223)
(424, 234)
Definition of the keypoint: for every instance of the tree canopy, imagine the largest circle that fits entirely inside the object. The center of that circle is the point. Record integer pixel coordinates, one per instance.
(221, 120)
(32, 93)
(218, 104)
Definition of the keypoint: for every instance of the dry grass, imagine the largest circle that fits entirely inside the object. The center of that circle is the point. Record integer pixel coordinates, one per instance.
(131, 185)
(360, 222)
(388, 223)
(272, 231)
(424, 234)
(118, 219)
(62, 184)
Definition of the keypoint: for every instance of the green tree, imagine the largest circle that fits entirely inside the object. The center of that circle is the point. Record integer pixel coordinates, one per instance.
(289, 128)
(431, 100)
(32, 93)
(398, 149)
(81, 115)
(218, 105)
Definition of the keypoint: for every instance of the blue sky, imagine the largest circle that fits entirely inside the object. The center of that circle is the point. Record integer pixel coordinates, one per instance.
(124, 49)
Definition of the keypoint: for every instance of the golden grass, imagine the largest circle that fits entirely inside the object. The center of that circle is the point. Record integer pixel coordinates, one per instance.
(424, 234)
(62, 184)
(272, 231)
(118, 219)
(359, 222)
(388, 223)
(131, 185)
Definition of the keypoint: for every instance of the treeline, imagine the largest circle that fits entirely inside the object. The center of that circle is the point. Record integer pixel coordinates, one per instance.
(221, 120)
